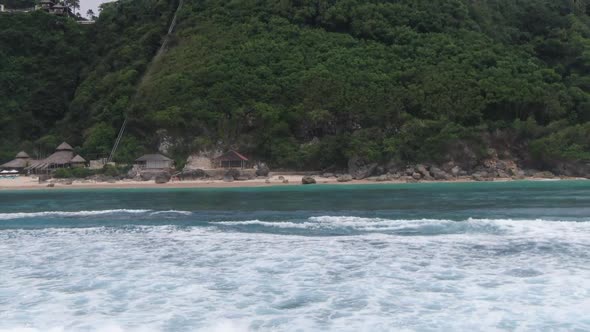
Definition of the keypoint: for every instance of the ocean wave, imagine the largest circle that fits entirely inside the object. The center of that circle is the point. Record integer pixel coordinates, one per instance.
(418, 226)
(91, 213)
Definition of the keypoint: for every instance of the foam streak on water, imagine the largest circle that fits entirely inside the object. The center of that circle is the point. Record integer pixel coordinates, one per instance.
(387, 274)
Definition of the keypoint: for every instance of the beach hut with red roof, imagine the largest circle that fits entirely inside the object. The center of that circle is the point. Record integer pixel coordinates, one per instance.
(231, 159)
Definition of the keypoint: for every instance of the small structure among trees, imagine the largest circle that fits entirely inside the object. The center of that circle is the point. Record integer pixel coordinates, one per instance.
(78, 161)
(154, 161)
(231, 159)
(65, 8)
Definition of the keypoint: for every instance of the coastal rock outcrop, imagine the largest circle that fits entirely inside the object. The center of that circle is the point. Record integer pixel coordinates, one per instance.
(233, 173)
(383, 178)
(421, 169)
(308, 180)
(439, 174)
(192, 174)
(360, 169)
(151, 175)
(544, 175)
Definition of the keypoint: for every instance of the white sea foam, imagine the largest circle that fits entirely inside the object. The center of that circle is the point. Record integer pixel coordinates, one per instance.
(533, 276)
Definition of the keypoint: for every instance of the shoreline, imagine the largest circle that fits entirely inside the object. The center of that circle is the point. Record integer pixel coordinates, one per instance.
(29, 183)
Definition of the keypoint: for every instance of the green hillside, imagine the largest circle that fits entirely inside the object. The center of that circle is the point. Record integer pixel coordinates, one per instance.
(307, 84)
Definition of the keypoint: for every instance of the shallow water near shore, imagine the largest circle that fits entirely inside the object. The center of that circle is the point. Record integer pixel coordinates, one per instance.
(424, 257)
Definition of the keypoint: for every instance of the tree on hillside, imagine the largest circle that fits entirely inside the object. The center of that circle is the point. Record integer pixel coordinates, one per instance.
(90, 14)
(72, 4)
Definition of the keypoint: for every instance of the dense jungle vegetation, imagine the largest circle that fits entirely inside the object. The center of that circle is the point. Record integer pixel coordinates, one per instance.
(304, 84)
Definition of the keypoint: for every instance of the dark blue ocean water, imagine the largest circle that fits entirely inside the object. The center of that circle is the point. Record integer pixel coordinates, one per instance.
(472, 256)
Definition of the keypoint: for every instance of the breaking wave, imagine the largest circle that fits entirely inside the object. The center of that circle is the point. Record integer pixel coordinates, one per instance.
(419, 226)
(91, 213)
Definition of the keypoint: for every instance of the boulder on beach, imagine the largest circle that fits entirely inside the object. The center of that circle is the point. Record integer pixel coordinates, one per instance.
(344, 178)
(308, 180)
(234, 173)
(192, 174)
(383, 178)
(422, 170)
(262, 170)
(394, 176)
(148, 175)
(439, 174)
(162, 178)
(544, 175)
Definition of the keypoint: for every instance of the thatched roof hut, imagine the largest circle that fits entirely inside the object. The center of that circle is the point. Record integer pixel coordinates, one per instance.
(154, 161)
(22, 155)
(231, 159)
(78, 161)
(61, 158)
(19, 163)
(64, 147)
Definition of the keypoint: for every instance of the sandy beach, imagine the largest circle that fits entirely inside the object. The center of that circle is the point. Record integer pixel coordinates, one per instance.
(30, 183)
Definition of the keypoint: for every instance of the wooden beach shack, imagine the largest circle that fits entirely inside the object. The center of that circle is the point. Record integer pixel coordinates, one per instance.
(231, 159)
(154, 161)
(19, 163)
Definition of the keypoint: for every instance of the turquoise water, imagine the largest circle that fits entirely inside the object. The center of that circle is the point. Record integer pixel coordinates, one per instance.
(424, 257)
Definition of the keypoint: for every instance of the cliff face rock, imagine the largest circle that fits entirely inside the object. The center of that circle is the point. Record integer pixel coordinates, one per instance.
(575, 168)
(202, 160)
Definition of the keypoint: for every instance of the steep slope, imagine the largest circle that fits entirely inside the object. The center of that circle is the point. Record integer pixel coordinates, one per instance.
(41, 58)
(313, 83)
